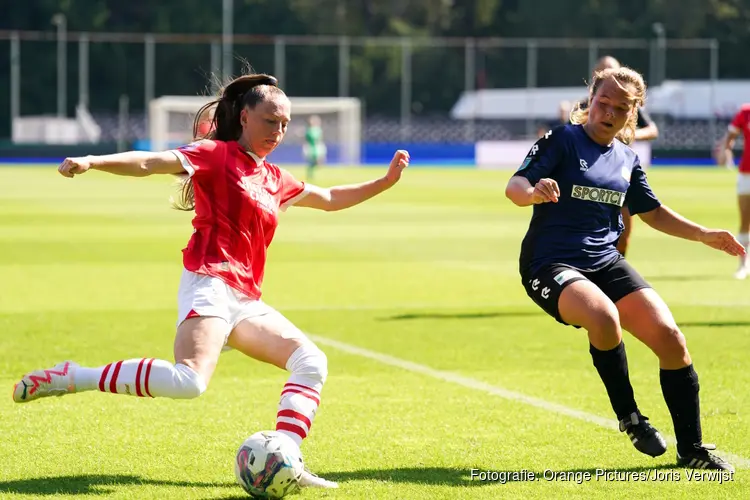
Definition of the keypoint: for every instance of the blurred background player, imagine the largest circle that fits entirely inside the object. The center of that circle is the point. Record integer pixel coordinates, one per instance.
(204, 123)
(314, 148)
(577, 178)
(236, 196)
(740, 125)
(646, 130)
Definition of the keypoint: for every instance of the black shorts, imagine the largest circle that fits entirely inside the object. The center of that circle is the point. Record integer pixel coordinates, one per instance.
(616, 280)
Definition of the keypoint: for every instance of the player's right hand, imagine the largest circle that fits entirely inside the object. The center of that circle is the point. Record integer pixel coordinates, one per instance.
(72, 166)
(545, 190)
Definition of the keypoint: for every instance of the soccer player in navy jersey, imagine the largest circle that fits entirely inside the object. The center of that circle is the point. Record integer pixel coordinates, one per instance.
(579, 177)
(645, 130)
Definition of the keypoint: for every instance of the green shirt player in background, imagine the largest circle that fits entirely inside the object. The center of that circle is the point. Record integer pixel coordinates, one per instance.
(314, 148)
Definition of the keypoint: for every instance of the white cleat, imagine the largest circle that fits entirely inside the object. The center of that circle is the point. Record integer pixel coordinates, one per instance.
(310, 480)
(741, 273)
(43, 383)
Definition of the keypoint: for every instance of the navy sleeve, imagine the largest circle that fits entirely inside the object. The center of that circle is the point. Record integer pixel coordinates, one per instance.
(640, 198)
(644, 120)
(544, 156)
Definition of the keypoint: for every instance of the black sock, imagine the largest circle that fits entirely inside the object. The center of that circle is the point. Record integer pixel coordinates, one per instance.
(612, 366)
(680, 389)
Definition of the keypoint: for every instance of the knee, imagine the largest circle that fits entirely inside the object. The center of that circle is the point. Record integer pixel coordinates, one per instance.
(672, 343)
(309, 361)
(604, 328)
(321, 367)
(605, 321)
(188, 383)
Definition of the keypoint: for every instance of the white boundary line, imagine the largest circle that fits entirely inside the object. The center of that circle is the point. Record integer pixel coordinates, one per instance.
(738, 461)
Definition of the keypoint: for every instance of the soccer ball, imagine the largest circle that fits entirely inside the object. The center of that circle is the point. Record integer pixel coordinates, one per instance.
(269, 465)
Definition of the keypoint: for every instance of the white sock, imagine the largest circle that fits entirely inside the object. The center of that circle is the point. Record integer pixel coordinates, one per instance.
(144, 377)
(300, 397)
(744, 239)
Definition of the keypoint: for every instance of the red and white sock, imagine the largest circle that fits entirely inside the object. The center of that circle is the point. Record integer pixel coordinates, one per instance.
(144, 377)
(300, 396)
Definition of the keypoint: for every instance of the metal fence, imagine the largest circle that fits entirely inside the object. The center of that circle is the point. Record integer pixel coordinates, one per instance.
(420, 76)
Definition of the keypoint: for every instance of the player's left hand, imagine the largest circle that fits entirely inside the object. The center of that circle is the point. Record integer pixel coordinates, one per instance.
(724, 241)
(399, 162)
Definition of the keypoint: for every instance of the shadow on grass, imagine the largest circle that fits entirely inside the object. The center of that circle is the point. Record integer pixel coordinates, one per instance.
(92, 484)
(447, 476)
(680, 278)
(468, 315)
(714, 324)
(104, 485)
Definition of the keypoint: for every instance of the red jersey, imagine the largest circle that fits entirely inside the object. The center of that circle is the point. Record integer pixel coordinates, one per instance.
(237, 199)
(741, 123)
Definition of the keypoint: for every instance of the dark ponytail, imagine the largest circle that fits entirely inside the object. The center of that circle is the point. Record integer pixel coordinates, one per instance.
(244, 91)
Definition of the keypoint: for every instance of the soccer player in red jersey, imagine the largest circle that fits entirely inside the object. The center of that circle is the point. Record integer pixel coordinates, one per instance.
(740, 125)
(236, 194)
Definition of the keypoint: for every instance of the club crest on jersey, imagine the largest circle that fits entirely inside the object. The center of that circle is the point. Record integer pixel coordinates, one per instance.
(598, 195)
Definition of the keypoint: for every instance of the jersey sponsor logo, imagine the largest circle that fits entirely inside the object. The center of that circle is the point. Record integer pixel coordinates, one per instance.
(599, 195)
(584, 165)
(260, 196)
(566, 275)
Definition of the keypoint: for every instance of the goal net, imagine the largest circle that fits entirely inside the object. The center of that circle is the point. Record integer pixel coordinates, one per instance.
(171, 124)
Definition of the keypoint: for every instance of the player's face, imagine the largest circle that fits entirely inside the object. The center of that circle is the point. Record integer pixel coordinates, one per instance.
(610, 110)
(264, 126)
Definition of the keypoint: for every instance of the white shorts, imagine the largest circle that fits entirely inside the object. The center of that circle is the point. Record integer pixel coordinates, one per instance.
(743, 184)
(202, 295)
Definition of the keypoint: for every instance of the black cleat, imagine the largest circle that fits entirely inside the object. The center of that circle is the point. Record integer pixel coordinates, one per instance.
(700, 458)
(643, 435)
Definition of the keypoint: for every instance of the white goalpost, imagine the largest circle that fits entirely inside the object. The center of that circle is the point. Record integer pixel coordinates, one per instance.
(171, 124)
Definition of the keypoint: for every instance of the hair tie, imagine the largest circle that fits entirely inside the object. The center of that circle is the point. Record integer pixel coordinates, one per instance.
(268, 80)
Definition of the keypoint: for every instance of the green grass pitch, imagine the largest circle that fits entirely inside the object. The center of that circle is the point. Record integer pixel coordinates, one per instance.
(439, 363)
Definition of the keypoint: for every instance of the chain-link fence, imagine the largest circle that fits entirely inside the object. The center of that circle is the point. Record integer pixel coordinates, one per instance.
(407, 85)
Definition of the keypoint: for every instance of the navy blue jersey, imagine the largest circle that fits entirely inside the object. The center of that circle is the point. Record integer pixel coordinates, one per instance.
(582, 228)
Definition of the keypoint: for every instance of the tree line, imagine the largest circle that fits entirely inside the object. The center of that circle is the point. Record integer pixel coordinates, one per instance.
(374, 70)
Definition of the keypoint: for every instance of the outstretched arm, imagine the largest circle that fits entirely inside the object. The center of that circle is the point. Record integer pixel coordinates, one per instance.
(341, 197)
(130, 163)
(670, 222)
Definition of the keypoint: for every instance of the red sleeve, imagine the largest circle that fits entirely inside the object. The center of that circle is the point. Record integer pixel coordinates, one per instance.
(200, 157)
(291, 190)
(740, 119)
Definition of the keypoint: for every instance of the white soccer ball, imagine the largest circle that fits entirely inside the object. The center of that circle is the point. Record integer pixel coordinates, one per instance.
(269, 465)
